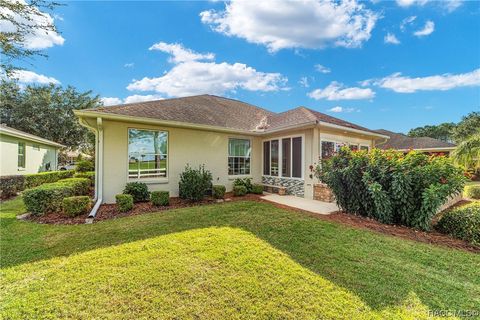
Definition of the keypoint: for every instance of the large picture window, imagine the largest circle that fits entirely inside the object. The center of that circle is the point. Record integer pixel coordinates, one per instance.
(147, 153)
(21, 155)
(289, 151)
(239, 151)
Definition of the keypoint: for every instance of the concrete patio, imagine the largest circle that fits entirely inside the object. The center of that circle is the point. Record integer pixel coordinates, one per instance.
(303, 204)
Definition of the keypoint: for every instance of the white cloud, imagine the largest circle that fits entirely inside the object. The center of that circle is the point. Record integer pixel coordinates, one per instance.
(110, 101)
(337, 91)
(407, 21)
(339, 109)
(452, 5)
(191, 77)
(391, 38)
(427, 29)
(25, 76)
(322, 69)
(141, 98)
(402, 84)
(129, 65)
(408, 3)
(36, 39)
(304, 82)
(449, 5)
(179, 53)
(294, 24)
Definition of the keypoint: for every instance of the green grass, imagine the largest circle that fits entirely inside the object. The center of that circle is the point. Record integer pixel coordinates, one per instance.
(235, 260)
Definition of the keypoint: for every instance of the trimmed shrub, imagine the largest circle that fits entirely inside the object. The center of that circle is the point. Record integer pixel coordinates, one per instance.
(84, 166)
(246, 182)
(11, 185)
(257, 189)
(138, 190)
(472, 192)
(49, 196)
(390, 186)
(37, 179)
(462, 223)
(124, 202)
(160, 198)
(194, 183)
(239, 191)
(218, 191)
(89, 175)
(75, 206)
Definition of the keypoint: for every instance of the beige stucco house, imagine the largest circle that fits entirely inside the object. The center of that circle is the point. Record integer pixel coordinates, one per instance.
(24, 153)
(153, 141)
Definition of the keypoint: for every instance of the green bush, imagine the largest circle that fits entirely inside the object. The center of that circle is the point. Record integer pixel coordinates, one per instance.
(239, 191)
(194, 183)
(218, 191)
(391, 187)
(89, 175)
(257, 189)
(124, 202)
(160, 198)
(49, 196)
(75, 206)
(84, 166)
(138, 190)
(246, 182)
(37, 179)
(11, 185)
(462, 223)
(472, 192)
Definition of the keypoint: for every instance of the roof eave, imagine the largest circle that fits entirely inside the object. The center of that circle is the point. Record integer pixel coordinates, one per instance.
(364, 132)
(428, 149)
(31, 138)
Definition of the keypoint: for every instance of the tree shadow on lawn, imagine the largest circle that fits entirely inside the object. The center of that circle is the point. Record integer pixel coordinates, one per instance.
(381, 270)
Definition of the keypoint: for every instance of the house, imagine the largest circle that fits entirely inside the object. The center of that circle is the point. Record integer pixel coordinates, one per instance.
(24, 153)
(153, 141)
(405, 143)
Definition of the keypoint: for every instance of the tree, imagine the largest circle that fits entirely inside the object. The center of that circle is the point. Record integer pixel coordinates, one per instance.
(443, 131)
(20, 21)
(467, 127)
(47, 111)
(467, 153)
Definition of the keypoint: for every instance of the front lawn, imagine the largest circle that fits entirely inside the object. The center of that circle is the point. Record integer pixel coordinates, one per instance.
(235, 260)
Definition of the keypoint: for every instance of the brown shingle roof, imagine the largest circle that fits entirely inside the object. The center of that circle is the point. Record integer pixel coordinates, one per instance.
(402, 142)
(223, 112)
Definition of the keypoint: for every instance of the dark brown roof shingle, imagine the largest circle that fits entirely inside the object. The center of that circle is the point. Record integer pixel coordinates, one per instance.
(402, 142)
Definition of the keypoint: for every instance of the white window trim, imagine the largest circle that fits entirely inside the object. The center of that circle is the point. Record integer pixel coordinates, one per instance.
(24, 156)
(363, 145)
(280, 156)
(346, 143)
(147, 179)
(235, 176)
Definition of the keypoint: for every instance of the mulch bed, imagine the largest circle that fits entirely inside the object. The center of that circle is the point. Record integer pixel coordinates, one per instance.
(109, 211)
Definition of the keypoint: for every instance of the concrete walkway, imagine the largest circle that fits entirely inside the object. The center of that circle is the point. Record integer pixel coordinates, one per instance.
(303, 204)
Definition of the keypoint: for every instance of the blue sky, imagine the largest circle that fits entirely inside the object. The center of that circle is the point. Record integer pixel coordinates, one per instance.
(392, 65)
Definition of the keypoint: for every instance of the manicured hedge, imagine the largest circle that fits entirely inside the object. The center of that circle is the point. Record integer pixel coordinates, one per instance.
(257, 189)
(160, 198)
(37, 179)
(49, 197)
(391, 187)
(246, 182)
(194, 183)
(11, 185)
(75, 206)
(89, 175)
(472, 192)
(218, 191)
(462, 223)
(124, 202)
(239, 191)
(138, 190)
(84, 166)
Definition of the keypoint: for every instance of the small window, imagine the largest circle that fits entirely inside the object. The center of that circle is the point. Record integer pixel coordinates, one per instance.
(274, 158)
(297, 157)
(328, 149)
(286, 157)
(353, 147)
(147, 153)
(239, 151)
(21, 155)
(365, 148)
(36, 147)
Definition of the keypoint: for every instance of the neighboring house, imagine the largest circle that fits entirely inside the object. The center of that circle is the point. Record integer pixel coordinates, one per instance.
(23, 153)
(405, 143)
(152, 142)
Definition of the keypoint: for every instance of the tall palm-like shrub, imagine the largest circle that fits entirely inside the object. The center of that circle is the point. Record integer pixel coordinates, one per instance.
(467, 153)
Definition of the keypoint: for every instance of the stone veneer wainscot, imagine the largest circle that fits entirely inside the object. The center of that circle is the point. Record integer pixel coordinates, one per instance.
(294, 186)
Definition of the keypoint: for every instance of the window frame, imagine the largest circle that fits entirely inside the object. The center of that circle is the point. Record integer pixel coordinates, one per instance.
(364, 145)
(148, 179)
(20, 168)
(234, 176)
(280, 156)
